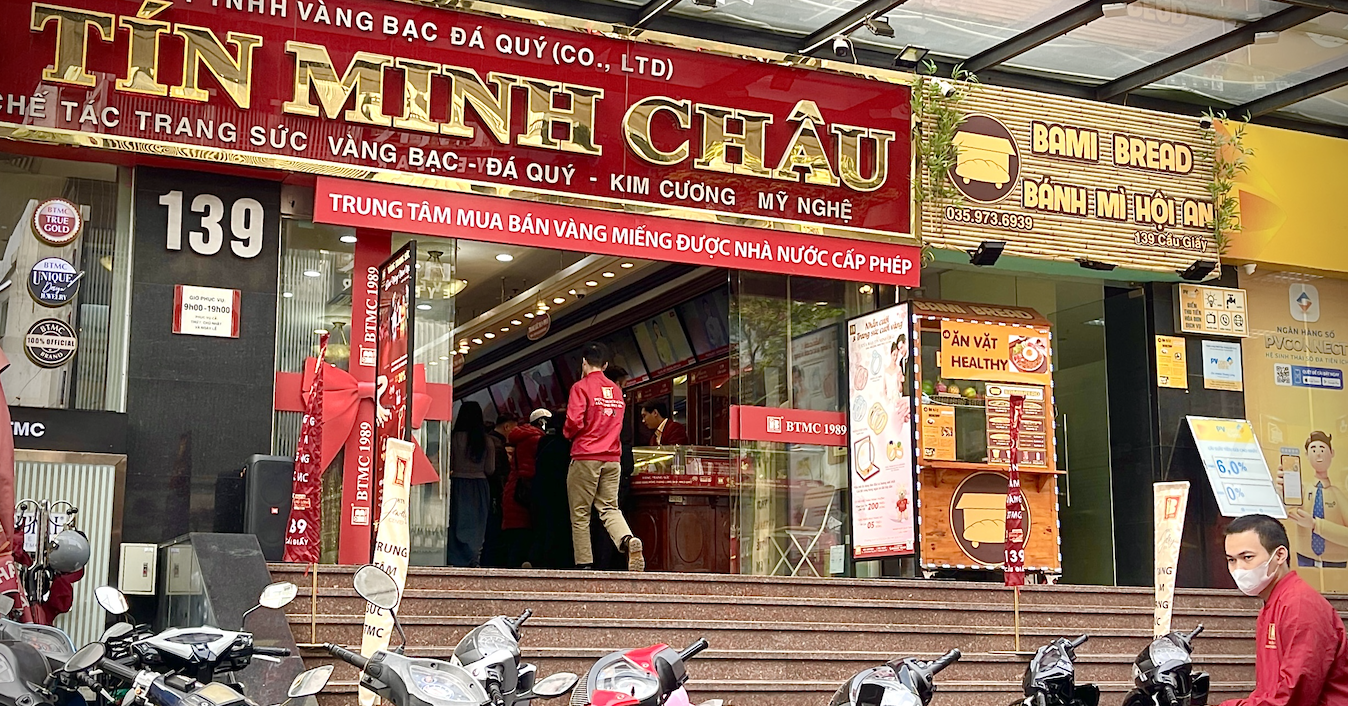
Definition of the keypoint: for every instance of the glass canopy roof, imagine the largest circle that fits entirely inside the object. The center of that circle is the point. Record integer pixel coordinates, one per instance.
(1235, 55)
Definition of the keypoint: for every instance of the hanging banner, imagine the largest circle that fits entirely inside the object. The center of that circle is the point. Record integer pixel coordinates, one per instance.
(391, 547)
(994, 352)
(393, 367)
(1013, 567)
(880, 436)
(450, 214)
(306, 512)
(1171, 501)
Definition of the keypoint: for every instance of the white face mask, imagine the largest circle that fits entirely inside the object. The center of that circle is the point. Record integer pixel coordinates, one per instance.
(1252, 582)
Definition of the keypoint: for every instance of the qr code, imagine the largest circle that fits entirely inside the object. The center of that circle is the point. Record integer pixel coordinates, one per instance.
(1282, 374)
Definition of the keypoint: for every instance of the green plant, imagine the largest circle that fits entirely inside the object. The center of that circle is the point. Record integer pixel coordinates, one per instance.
(936, 121)
(1226, 140)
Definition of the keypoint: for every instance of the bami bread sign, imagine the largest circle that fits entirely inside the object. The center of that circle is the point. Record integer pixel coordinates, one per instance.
(1065, 179)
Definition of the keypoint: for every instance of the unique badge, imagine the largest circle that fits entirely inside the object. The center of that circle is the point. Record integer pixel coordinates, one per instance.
(53, 282)
(57, 222)
(50, 343)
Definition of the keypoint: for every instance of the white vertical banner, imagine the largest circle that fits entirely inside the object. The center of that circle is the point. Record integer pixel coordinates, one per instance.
(1171, 500)
(390, 547)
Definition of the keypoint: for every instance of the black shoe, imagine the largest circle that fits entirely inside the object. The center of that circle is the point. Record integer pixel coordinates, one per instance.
(585, 567)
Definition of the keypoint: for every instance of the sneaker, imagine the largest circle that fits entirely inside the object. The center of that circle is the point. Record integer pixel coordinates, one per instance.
(635, 560)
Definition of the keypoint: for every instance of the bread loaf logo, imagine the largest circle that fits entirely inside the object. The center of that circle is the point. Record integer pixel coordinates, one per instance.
(988, 162)
(978, 518)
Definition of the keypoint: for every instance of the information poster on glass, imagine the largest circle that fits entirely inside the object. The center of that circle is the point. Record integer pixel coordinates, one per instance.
(881, 434)
(1235, 466)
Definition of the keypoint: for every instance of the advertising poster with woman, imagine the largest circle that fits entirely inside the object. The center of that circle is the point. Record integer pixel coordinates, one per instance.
(881, 434)
(393, 366)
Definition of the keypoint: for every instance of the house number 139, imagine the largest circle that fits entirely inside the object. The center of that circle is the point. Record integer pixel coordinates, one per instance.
(245, 224)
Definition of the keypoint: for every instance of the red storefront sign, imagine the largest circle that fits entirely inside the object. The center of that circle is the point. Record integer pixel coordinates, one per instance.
(788, 426)
(456, 215)
(384, 88)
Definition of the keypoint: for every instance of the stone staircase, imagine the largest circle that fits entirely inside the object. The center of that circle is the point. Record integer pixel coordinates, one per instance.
(783, 641)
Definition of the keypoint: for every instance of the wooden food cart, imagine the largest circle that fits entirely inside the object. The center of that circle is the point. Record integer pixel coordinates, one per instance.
(972, 358)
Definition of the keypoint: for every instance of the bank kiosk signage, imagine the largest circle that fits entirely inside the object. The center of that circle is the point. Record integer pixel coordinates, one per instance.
(532, 110)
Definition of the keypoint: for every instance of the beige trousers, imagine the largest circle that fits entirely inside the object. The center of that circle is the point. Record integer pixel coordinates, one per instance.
(594, 484)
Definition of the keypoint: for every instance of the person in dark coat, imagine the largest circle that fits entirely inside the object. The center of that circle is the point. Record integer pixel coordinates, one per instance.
(493, 553)
(473, 458)
(551, 510)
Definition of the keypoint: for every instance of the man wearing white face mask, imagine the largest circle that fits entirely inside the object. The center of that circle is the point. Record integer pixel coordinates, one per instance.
(1301, 650)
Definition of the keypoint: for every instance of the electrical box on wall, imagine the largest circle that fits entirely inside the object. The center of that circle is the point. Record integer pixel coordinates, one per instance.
(137, 574)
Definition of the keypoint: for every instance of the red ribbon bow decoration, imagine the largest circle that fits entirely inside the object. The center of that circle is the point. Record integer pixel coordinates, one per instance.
(342, 394)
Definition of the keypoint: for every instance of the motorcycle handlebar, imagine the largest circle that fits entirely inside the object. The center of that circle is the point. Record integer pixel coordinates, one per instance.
(271, 651)
(117, 669)
(494, 690)
(944, 661)
(519, 622)
(1196, 632)
(694, 648)
(346, 655)
(1080, 641)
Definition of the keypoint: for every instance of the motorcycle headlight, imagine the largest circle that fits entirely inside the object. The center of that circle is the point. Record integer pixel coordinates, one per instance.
(489, 639)
(439, 686)
(1050, 658)
(626, 678)
(1163, 651)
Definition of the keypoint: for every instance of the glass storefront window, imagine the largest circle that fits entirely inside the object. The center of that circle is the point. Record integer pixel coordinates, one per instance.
(317, 267)
(98, 260)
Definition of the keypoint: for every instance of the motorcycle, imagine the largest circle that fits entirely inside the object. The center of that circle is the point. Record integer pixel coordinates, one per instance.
(900, 682)
(491, 653)
(155, 689)
(1050, 678)
(1163, 674)
(408, 681)
(206, 654)
(650, 676)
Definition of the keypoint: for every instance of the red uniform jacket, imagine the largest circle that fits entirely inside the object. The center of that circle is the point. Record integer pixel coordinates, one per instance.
(674, 434)
(525, 440)
(594, 419)
(1301, 654)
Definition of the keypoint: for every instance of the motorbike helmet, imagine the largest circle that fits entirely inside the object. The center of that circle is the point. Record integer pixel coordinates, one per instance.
(69, 552)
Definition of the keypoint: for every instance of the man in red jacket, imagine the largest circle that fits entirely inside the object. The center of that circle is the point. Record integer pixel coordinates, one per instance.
(1301, 652)
(594, 422)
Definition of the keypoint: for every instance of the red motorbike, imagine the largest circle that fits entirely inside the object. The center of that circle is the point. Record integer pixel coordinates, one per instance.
(650, 676)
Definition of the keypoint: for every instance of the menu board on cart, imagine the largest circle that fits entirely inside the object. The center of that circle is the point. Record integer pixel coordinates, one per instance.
(938, 432)
(1033, 426)
(880, 424)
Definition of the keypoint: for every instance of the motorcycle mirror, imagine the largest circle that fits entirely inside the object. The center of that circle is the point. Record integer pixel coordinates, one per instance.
(117, 632)
(278, 595)
(376, 587)
(310, 682)
(112, 600)
(555, 685)
(88, 656)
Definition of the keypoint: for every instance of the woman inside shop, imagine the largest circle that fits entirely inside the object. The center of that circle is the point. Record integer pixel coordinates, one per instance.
(472, 461)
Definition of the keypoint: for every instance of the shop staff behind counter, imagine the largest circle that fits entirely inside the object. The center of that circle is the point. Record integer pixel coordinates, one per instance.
(664, 431)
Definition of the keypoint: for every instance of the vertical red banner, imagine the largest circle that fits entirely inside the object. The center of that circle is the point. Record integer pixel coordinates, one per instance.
(306, 519)
(393, 376)
(358, 473)
(1014, 562)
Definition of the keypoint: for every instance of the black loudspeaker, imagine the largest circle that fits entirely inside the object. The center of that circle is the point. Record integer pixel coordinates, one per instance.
(268, 480)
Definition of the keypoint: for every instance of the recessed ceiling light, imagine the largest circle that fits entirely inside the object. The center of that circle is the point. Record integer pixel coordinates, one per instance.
(627, 265)
(287, 295)
(572, 292)
(543, 307)
(609, 274)
(505, 329)
(516, 322)
(433, 363)
(528, 316)
(559, 300)
(424, 307)
(312, 273)
(821, 303)
(591, 283)
(444, 357)
(348, 238)
(504, 257)
(320, 331)
(489, 334)
(478, 341)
